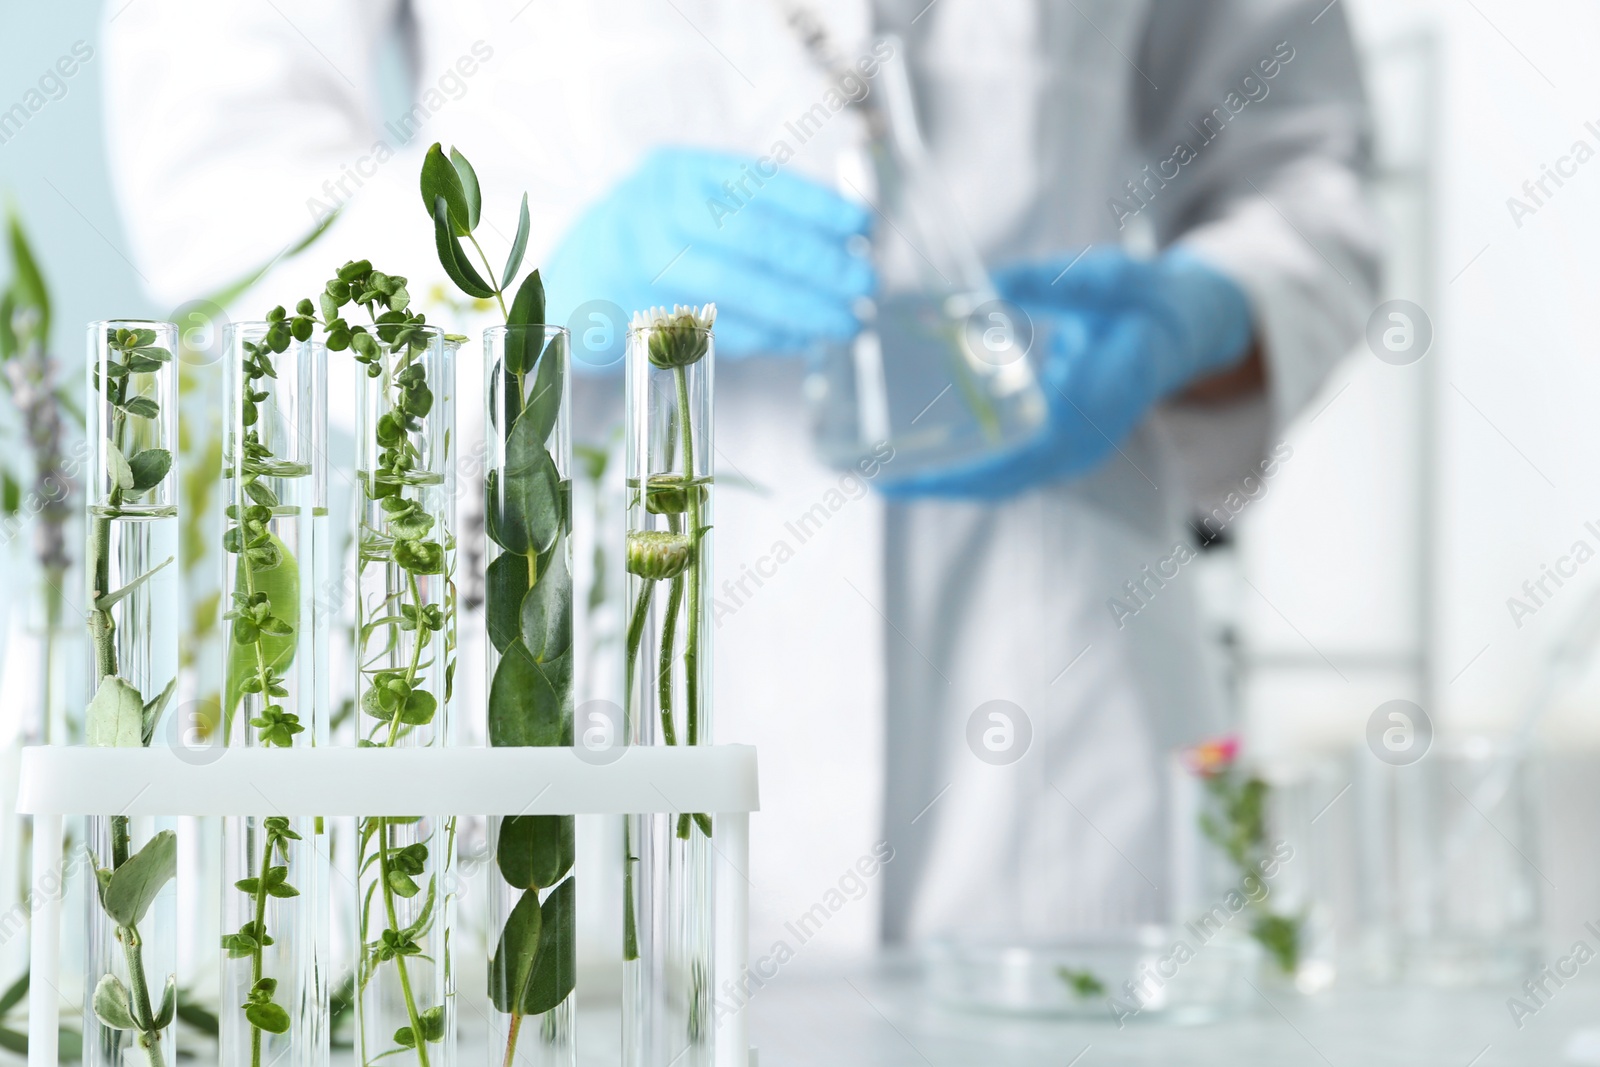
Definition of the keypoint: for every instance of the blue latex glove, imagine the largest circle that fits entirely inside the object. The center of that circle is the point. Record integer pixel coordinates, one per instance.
(1120, 335)
(772, 257)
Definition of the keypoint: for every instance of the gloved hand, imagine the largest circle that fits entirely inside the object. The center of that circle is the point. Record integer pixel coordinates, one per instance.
(1119, 336)
(691, 226)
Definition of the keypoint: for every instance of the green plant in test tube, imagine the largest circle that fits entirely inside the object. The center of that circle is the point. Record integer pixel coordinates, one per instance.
(528, 607)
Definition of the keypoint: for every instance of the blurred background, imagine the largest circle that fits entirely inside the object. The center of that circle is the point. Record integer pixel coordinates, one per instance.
(1397, 553)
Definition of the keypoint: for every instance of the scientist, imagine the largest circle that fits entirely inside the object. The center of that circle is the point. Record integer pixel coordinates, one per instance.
(1208, 155)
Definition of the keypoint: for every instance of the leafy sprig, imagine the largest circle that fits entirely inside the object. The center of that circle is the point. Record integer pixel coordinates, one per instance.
(1239, 829)
(119, 715)
(528, 593)
(251, 940)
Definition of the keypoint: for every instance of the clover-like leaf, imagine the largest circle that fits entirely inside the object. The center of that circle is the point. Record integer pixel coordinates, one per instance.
(135, 885)
(169, 1004)
(115, 717)
(111, 1004)
(268, 1017)
(117, 468)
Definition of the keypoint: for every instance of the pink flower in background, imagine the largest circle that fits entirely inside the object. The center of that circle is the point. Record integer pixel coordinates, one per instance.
(1212, 757)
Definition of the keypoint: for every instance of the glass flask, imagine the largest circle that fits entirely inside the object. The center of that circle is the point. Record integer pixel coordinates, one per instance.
(941, 371)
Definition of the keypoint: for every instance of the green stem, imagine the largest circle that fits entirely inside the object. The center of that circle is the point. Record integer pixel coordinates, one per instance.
(256, 965)
(511, 1038)
(630, 922)
(498, 295)
(669, 625)
(691, 649)
(420, 1041)
(641, 610)
(133, 950)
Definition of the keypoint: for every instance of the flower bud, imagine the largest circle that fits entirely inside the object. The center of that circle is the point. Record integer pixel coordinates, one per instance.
(657, 555)
(667, 494)
(679, 338)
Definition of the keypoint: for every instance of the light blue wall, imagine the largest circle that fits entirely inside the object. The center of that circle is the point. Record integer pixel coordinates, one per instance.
(54, 170)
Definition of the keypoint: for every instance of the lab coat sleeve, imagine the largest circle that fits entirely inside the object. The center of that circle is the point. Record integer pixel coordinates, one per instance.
(1257, 124)
(233, 127)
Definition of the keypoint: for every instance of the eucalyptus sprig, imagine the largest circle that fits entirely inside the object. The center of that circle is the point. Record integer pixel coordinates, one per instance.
(528, 595)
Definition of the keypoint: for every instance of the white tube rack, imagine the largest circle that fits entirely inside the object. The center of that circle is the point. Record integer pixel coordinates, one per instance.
(59, 781)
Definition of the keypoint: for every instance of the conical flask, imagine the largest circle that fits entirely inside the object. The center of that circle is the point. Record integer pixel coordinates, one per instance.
(940, 372)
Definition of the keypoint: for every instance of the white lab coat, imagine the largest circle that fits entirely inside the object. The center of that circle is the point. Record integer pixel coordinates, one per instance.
(855, 663)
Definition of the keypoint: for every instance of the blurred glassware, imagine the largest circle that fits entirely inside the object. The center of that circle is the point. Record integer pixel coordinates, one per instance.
(1242, 865)
(941, 371)
(1152, 973)
(1454, 889)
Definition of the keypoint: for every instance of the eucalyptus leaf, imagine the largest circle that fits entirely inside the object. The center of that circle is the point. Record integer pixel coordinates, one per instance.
(135, 885)
(441, 180)
(106, 602)
(534, 851)
(519, 247)
(544, 405)
(469, 187)
(115, 718)
(515, 953)
(524, 509)
(530, 703)
(527, 307)
(451, 256)
(546, 615)
(111, 1004)
(149, 467)
(505, 587)
(555, 969)
(525, 325)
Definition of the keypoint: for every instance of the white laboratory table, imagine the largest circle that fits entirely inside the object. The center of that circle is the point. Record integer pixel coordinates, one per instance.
(875, 1015)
